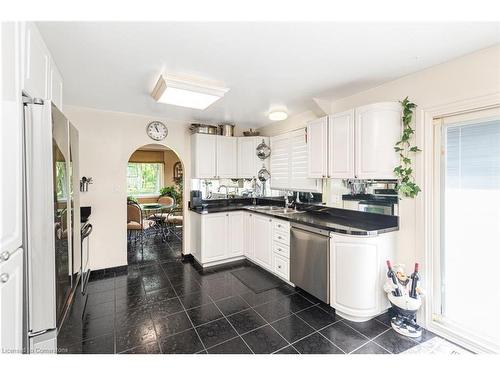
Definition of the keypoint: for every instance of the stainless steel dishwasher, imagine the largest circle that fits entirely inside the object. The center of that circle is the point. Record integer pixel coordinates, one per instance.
(310, 260)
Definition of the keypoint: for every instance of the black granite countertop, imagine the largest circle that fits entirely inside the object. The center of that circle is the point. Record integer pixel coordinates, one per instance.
(332, 219)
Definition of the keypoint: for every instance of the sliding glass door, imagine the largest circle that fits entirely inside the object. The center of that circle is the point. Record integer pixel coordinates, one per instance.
(467, 290)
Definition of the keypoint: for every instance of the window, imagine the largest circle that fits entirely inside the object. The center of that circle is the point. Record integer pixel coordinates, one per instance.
(144, 179)
(469, 245)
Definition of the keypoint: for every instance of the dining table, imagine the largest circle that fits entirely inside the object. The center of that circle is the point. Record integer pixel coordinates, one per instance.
(154, 212)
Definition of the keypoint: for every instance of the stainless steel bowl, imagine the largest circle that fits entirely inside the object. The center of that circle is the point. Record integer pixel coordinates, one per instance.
(226, 130)
(204, 129)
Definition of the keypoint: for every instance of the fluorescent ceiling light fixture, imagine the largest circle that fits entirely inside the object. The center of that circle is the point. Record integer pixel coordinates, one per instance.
(183, 92)
(278, 116)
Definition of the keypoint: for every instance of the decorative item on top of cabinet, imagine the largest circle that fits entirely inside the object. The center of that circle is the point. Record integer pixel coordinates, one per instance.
(406, 186)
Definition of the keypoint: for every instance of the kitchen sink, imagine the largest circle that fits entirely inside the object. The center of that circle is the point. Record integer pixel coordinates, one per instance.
(276, 209)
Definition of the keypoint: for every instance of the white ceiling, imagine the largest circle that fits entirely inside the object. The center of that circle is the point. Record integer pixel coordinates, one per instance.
(115, 65)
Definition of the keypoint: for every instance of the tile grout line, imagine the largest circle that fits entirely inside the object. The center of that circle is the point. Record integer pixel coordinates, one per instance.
(231, 324)
(185, 312)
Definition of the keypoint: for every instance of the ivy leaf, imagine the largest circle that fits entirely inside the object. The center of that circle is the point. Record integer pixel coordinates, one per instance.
(415, 149)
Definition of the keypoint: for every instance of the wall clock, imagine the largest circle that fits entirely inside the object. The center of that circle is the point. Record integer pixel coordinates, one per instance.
(157, 130)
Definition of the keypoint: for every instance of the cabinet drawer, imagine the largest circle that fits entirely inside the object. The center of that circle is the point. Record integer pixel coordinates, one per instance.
(282, 237)
(281, 266)
(283, 226)
(281, 249)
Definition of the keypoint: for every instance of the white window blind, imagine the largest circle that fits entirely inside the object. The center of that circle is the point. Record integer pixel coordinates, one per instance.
(470, 225)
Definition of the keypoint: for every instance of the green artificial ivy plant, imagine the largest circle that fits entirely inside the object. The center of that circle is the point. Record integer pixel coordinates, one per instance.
(404, 172)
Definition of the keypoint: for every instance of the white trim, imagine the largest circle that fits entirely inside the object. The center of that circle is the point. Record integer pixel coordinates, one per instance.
(426, 214)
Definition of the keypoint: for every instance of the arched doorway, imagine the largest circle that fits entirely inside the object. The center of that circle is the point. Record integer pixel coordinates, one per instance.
(155, 218)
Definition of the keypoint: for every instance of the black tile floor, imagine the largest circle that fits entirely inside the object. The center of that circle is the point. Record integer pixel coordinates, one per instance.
(164, 305)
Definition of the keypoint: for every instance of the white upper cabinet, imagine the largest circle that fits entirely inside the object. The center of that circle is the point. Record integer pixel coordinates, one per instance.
(377, 131)
(214, 156)
(11, 143)
(248, 162)
(359, 143)
(227, 157)
(289, 163)
(341, 145)
(36, 63)
(56, 86)
(317, 146)
(204, 155)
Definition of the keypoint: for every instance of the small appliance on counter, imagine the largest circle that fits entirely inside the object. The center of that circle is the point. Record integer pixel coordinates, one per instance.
(196, 200)
(378, 197)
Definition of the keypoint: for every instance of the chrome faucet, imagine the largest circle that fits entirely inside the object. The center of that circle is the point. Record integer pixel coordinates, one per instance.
(287, 203)
(223, 186)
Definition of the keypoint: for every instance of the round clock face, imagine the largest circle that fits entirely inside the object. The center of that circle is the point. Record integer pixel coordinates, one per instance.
(157, 130)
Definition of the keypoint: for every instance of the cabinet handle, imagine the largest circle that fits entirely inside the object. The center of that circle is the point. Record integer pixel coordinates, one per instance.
(279, 225)
(227, 214)
(270, 220)
(4, 277)
(5, 255)
(279, 237)
(279, 266)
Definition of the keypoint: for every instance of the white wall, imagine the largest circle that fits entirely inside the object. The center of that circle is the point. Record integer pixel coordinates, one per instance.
(107, 139)
(292, 123)
(471, 76)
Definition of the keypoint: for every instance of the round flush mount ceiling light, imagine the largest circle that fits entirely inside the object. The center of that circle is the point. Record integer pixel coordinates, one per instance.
(277, 115)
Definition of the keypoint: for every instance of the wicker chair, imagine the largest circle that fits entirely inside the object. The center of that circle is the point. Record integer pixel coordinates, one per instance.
(135, 222)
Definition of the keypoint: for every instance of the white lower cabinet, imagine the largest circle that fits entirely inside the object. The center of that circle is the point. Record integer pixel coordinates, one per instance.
(214, 237)
(11, 303)
(235, 243)
(263, 230)
(248, 238)
(357, 274)
(281, 266)
(223, 237)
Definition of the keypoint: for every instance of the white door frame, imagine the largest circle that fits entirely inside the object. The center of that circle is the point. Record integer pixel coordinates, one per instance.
(427, 213)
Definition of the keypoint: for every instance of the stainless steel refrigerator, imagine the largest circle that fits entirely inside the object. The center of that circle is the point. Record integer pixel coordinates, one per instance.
(52, 221)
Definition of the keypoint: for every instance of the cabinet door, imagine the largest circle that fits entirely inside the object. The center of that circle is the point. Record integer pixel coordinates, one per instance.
(246, 157)
(317, 147)
(354, 272)
(235, 230)
(11, 303)
(249, 234)
(341, 145)
(56, 86)
(280, 163)
(378, 128)
(11, 142)
(214, 237)
(263, 241)
(36, 66)
(227, 157)
(204, 155)
(298, 158)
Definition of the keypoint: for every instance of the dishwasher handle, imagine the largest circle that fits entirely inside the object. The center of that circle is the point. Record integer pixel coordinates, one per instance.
(307, 228)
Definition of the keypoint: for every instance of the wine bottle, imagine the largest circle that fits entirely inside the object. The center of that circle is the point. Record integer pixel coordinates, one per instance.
(414, 281)
(392, 276)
